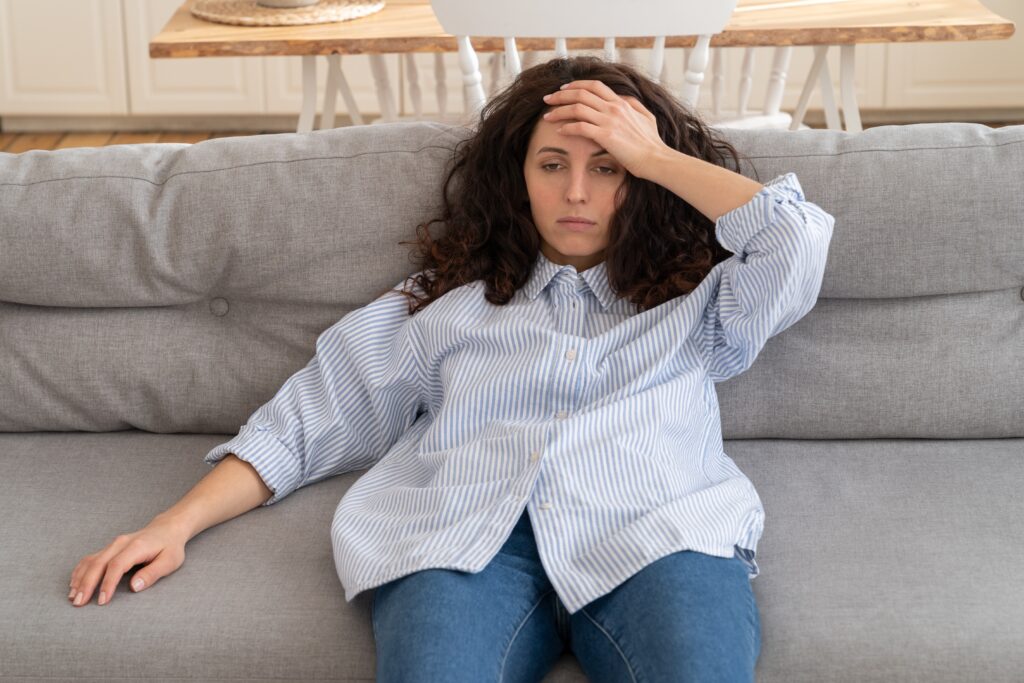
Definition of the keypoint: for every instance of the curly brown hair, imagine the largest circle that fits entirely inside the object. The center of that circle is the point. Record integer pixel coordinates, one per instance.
(659, 245)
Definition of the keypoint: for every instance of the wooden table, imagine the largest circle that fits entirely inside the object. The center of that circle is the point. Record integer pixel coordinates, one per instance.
(408, 26)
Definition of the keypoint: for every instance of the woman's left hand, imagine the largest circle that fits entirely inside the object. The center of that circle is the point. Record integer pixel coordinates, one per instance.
(620, 125)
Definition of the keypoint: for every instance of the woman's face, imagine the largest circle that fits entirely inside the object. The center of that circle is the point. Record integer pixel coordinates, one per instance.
(571, 176)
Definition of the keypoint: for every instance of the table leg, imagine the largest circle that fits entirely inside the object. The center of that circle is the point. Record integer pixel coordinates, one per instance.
(350, 99)
(828, 96)
(308, 94)
(330, 92)
(820, 54)
(851, 114)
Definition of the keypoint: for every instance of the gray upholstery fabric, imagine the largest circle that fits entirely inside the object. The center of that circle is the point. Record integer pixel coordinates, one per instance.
(165, 291)
(194, 279)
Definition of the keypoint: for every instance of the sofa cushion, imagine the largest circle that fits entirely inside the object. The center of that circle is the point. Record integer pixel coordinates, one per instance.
(174, 288)
(882, 560)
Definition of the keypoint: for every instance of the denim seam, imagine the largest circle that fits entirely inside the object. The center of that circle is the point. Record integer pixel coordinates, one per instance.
(515, 634)
(373, 614)
(612, 641)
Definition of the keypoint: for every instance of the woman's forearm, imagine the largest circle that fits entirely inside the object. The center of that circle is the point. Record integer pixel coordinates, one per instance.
(713, 190)
(231, 488)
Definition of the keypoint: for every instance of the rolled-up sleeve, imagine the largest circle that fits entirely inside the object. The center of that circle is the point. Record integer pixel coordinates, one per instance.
(345, 409)
(780, 244)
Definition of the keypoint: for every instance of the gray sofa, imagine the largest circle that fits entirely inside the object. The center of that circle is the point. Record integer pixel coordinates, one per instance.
(153, 296)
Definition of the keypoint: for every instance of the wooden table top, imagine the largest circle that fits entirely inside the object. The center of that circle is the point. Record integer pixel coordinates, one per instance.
(410, 26)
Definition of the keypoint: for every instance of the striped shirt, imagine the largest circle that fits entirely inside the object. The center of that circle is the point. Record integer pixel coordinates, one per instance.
(602, 420)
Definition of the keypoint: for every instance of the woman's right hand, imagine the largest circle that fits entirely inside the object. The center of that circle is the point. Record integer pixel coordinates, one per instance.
(160, 546)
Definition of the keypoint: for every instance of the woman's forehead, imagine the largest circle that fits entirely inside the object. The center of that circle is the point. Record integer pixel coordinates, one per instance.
(545, 134)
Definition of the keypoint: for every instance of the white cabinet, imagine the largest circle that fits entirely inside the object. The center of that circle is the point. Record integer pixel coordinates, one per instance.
(222, 85)
(78, 57)
(62, 56)
(200, 85)
(960, 74)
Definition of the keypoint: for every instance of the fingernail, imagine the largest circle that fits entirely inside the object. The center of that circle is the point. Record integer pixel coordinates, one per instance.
(137, 584)
(548, 96)
(103, 597)
(563, 86)
(78, 599)
(71, 594)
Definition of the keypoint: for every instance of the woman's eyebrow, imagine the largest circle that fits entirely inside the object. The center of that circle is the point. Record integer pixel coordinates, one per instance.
(558, 150)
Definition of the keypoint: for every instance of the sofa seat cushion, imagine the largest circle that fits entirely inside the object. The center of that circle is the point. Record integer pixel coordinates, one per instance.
(881, 560)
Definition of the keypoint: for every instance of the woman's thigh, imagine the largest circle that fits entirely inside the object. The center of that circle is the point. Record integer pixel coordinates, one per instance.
(448, 625)
(687, 616)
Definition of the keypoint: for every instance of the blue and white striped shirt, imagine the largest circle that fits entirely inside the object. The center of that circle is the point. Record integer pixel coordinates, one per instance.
(603, 420)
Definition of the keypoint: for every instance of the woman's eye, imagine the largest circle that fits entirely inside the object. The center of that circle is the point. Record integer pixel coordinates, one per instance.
(604, 170)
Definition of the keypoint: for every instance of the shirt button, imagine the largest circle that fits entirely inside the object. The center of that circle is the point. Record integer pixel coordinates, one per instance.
(534, 456)
(545, 505)
(561, 414)
(570, 354)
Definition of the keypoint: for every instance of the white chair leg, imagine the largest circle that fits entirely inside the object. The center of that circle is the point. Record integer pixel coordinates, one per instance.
(308, 94)
(777, 81)
(609, 49)
(441, 87)
(717, 80)
(385, 97)
(413, 77)
(851, 113)
(695, 67)
(560, 48)
(657, 60)
(746, 81)
(512, 62)
(472, 88)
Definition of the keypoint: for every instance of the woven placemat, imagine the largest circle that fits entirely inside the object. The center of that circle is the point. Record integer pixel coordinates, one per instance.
(248, 13)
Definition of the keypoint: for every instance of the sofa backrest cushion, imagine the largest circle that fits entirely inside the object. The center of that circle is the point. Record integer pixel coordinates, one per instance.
(174, 288)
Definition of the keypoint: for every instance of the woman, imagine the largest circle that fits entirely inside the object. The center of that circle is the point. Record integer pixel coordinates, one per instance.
(537, 402)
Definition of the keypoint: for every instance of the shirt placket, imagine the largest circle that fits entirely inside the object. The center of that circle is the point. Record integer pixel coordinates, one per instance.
(568, 299)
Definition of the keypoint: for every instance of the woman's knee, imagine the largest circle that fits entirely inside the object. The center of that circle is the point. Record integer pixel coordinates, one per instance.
(447, 625)
(688, 613)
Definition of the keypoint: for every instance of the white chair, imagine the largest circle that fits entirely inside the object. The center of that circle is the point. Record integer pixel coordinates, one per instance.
(564, 19)
(586, 18)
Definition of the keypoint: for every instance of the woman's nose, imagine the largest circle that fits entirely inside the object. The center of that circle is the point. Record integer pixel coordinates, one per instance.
(577, 190)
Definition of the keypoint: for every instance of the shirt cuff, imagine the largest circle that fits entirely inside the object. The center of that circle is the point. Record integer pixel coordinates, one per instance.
(734, 229)
(269, 457)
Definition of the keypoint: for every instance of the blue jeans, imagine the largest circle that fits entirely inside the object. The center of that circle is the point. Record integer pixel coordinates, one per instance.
(687, 616)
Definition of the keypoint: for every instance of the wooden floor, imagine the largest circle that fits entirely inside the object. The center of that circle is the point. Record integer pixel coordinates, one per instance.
(16, 143)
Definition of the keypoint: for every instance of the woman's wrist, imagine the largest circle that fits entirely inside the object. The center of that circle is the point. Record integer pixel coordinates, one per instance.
(177, 521)
(711, 189)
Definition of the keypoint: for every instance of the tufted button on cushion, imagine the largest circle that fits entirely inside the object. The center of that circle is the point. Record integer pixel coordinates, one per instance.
(218, 306)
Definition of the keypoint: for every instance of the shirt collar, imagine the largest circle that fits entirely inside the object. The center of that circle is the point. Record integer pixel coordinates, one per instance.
(544, 271)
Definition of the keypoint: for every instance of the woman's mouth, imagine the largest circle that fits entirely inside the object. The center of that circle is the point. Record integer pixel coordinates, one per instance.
(576, 224)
